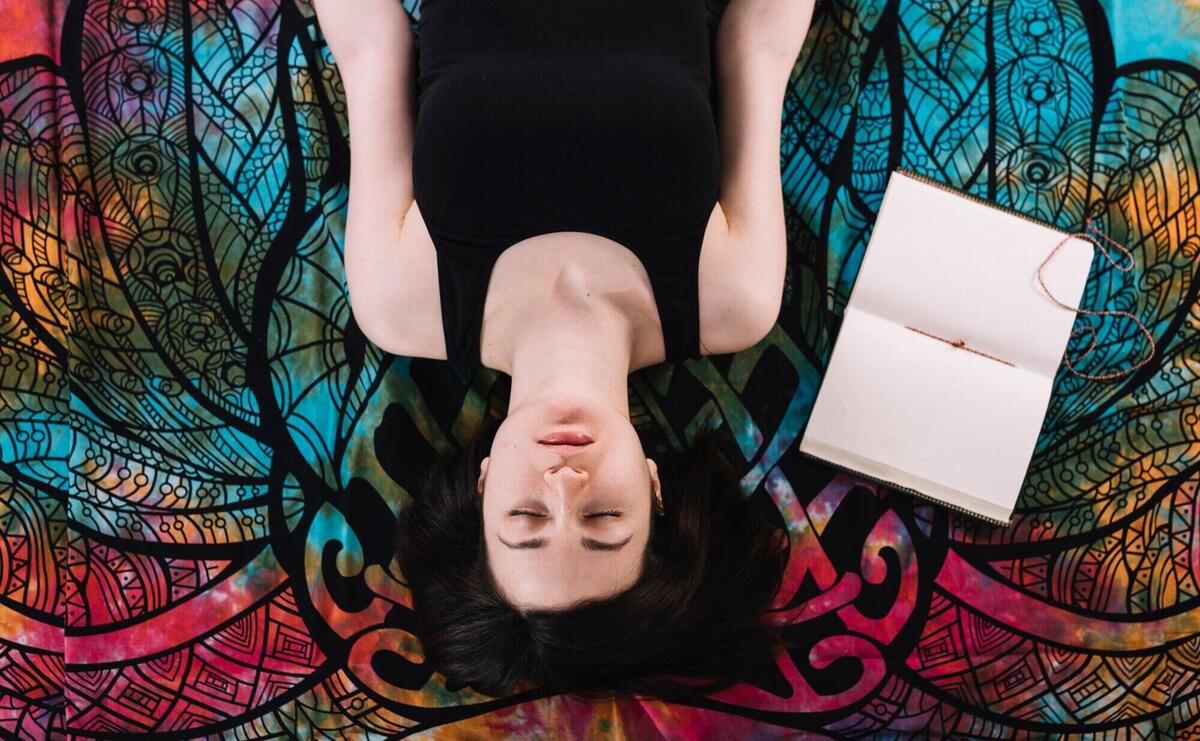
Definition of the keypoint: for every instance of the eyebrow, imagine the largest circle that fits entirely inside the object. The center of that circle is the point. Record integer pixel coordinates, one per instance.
(589, 543)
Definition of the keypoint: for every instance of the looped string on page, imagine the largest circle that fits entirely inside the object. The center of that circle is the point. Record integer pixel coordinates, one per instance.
(1086, 234)
(959, 343)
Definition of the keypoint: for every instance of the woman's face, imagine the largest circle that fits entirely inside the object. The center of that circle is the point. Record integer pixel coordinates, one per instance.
(561, 526)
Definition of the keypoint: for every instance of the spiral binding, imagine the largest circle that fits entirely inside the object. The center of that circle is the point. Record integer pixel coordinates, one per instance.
(906, 490)
(971, 196)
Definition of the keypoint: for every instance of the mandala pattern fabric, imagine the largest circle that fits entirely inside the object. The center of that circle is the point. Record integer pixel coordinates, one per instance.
(201, 455)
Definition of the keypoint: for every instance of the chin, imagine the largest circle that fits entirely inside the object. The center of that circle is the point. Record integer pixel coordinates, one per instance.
(568, 409)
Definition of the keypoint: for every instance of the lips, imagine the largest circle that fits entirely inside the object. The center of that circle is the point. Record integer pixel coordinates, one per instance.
(565, 450)
(563, 438)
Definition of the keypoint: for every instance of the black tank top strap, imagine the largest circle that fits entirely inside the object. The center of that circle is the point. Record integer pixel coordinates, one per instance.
(465, 266)
(673, 264)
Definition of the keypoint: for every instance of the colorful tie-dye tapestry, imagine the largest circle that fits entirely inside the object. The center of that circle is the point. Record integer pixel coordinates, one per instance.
(200, 453)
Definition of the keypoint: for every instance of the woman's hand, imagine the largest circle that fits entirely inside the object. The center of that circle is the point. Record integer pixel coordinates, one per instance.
(356, 28)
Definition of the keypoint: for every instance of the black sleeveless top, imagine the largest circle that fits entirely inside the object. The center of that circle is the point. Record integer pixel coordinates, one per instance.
(538, 116)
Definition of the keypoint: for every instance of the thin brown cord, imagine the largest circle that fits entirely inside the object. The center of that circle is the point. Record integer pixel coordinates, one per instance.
(1085, 234)
(959, 343)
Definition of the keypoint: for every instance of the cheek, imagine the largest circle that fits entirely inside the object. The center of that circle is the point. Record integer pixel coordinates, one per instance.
(489, 520)
(639, 492)
(493, 506)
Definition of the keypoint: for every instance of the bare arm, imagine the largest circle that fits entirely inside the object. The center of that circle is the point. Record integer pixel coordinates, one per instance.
(758, 42)
(375, 50)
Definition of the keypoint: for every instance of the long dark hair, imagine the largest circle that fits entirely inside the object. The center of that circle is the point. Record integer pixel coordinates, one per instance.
(694, 621)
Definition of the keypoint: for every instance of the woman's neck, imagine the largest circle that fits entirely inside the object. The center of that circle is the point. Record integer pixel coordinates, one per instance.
(573, 342)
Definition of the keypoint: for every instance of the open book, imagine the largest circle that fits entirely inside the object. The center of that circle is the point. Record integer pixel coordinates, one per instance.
(942, 369)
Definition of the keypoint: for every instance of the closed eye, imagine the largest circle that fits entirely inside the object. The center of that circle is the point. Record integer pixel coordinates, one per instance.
(605, 513)
(524, 513)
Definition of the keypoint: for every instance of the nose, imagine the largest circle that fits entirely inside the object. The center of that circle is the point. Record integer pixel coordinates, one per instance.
(565, 483)
(565, 479)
